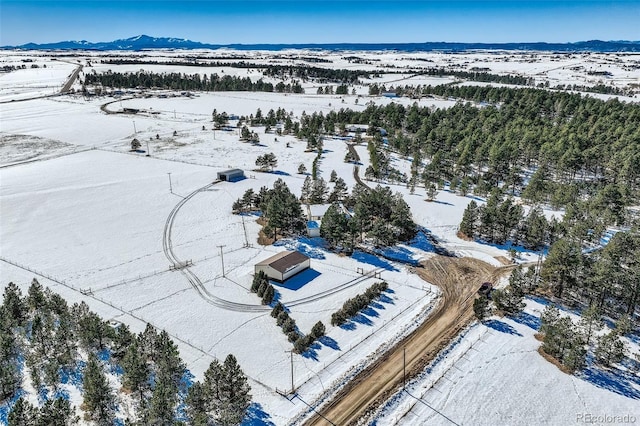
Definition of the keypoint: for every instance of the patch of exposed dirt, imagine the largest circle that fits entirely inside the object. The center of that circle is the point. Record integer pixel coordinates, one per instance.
(459, 279)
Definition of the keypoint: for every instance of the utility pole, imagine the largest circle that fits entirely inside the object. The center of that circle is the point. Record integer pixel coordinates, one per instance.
(148, 151)
(404, 367)
(135, 132)
(292, 386)
(170, 186)
(222, 259)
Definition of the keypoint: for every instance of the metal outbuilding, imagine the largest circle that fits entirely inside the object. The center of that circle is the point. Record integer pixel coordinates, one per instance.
(284, 265)
(231, 175)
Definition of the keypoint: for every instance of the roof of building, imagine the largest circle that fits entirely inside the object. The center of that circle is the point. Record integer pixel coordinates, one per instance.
(230, 171)
(318, 209)
(284, 261)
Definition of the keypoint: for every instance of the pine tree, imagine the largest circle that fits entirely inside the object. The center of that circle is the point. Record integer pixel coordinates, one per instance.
(339, 192)
(14, 305)
(590, 321)
(98, 399)
(196, 402)
(306, 189)
(279, 307)
(318, 330)
(610, 349)
(161, 409)
(22, 414)
(10, 377)
(333, 176)
(431, 192)
(268, 295)
(481, 307)
(58, 412)
(468, 225)
(234, 394)
(262, 288)
(136, 370)
(35, 296)
(319, 191)
(334, 225)
(302, 169)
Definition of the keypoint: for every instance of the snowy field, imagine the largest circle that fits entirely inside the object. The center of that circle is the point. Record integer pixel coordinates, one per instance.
(89, 218)
(465, 383)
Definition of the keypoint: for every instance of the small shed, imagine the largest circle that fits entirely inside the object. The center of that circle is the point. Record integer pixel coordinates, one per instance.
(231, 175)
(284, 265)
(313, 228)
(317, 211)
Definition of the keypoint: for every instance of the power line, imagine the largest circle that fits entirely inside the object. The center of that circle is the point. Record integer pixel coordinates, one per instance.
(439, 412)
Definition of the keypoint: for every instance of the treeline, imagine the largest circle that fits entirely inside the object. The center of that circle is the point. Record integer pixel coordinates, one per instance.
(180, 81)
(569, 344)
(598, 88)
(41, 335)
(500, 221)
(317, 74)
(578, 144)
(376, 215)
(279, 206)
(301, 343)
(361, 301)
(608, 278)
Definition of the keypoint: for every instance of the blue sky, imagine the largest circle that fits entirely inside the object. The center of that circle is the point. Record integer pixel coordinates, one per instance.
(269, 21)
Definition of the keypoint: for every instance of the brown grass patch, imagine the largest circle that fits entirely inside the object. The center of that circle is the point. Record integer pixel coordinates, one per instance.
(463, 236)
(553, 361)
(503, 260)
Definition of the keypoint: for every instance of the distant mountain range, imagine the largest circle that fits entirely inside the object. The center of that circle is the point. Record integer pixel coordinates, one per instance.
(144, 42)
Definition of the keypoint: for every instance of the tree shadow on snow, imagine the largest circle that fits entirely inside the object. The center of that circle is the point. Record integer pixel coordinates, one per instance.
(502, 327)
(369, 311)
(531, 321)
(370, 259)
(330, 343)
(442, 202)
(614, 380)
(256, 416)
(312, 352)
(385, 299)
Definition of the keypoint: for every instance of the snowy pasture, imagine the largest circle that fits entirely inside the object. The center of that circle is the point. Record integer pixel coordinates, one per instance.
(89, 218)
(480, 380)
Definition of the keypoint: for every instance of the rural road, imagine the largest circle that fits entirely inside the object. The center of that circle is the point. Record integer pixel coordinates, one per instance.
(72, 78)
(459, 279)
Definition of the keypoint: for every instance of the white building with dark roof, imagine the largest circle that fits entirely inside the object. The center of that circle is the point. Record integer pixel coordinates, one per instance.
(284, 265)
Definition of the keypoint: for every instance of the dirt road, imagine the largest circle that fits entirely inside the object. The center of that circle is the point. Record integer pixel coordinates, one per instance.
(72, 79)
(459, 279)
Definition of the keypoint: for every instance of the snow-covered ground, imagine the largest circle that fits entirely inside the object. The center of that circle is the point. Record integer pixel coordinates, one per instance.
(88, 218)
(494, 375)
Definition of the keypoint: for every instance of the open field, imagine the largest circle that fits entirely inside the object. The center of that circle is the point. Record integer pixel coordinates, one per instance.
(99, 223)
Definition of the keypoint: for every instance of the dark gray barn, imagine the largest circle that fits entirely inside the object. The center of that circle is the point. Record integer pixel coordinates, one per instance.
(231, 175)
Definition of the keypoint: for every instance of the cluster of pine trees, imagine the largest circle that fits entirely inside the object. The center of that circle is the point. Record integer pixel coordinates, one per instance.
(180, 81)
(278, 205)
(316, 191)
(222, 398)
(57, 341)
(578, 145)
(608, 278)
(502, 220)
(263, 288)
(378, 214)
(301, 343)
(569, 343)
(267, 162)
(354, 305)
(508, 301)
